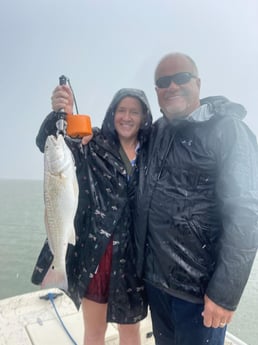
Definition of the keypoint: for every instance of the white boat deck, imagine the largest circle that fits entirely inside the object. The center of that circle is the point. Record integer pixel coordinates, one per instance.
(29, 320)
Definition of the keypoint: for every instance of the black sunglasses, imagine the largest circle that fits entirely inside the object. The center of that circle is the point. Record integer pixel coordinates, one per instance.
(179, 79)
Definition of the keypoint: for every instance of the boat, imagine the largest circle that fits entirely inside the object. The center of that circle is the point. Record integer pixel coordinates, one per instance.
(50, 317)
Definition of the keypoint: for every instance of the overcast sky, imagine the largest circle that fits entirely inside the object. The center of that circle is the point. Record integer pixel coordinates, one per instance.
(104, 45)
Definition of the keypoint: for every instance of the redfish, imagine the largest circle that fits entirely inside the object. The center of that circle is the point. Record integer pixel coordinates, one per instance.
(61, 201)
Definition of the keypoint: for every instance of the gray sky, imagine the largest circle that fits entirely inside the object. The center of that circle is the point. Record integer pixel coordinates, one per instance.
(104, 45)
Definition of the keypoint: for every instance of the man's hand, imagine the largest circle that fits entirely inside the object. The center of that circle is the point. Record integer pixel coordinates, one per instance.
(62, 98)
(214, 315)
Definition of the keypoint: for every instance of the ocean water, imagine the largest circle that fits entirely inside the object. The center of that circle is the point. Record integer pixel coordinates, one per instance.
(22, 234)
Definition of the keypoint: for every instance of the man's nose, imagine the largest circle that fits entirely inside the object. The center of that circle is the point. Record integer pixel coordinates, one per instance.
(173, 85)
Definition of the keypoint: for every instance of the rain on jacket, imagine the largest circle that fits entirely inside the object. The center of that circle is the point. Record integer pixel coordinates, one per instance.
(197, 205)
(103, 214)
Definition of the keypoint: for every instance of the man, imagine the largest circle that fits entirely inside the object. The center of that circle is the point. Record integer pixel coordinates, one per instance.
(197, 209)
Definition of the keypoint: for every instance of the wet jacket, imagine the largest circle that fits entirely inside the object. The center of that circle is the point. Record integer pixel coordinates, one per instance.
(103, 215)
(197, 205)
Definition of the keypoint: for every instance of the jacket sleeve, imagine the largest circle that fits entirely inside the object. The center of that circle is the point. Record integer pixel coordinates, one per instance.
(237, 194)
(48, 127)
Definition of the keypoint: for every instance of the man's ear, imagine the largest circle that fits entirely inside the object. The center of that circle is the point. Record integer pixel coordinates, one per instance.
(198, 81)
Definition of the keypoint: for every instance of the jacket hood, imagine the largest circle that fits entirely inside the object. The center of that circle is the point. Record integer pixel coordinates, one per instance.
(222, 106)
(108, 128)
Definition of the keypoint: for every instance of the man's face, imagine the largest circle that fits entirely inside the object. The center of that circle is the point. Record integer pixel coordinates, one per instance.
(177, 100)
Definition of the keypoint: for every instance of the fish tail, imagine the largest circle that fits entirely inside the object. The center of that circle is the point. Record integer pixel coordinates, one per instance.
(55, 278)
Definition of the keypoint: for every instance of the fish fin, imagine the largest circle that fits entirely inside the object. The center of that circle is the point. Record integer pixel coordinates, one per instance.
(55, 278)
(48, 234)
(72, 239)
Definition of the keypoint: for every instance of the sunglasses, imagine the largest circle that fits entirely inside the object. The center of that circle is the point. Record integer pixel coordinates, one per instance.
(179, 79)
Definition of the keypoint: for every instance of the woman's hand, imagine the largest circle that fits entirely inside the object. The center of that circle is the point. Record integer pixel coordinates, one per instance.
(62, 98)
(86, 139)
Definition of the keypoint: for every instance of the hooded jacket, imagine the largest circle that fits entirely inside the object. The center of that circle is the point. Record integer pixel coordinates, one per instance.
(103, 214)
(197, 205)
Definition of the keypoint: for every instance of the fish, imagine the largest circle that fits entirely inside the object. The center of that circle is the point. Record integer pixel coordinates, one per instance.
(61, 193)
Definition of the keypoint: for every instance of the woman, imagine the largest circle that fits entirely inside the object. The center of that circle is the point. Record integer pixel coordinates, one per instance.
(101, 266)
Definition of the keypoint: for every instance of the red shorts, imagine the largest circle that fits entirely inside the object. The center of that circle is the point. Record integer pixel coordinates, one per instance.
(98, 288)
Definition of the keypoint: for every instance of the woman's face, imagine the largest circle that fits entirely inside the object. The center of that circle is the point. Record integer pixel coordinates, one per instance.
(128, 118)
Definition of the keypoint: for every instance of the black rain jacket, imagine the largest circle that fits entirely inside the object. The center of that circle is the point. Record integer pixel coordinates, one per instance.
(103, 214)
(197, 205)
